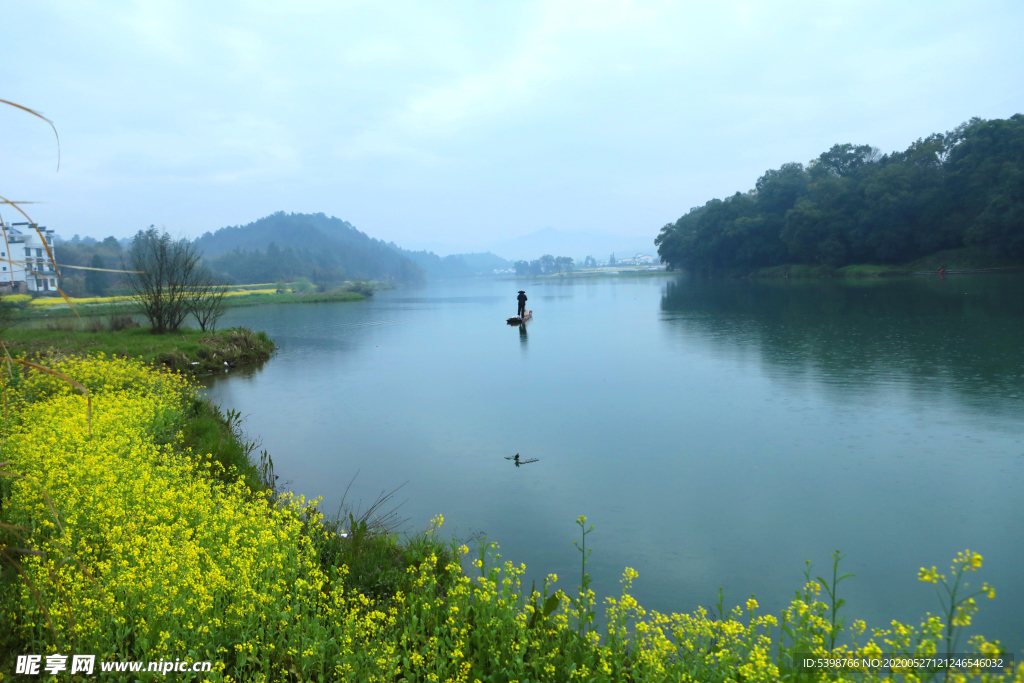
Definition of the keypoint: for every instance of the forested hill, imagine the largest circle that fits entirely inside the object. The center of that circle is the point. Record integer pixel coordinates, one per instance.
(286, 246)
(854, 205)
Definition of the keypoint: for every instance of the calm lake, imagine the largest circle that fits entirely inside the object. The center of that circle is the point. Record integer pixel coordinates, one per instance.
(715, 432)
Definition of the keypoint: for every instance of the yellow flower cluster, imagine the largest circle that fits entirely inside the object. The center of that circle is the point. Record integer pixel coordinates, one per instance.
(45, 302)
(138, 552)
(145, 555)
(50, 301)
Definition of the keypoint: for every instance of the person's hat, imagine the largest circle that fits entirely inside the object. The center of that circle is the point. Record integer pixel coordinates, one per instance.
(522, 291)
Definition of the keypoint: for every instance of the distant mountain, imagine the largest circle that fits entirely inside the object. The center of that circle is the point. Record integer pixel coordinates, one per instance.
(576, 244)
(455, 265)
(286, 246)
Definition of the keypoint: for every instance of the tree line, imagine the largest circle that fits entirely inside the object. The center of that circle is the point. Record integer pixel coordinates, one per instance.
(274, 264)
(852, 204)
(166, 276)
(91, 253)
(545, 265)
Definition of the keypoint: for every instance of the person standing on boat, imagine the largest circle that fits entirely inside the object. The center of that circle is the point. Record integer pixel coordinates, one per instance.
(522, 303)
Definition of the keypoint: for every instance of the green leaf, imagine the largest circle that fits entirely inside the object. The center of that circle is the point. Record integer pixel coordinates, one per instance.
(551, 604)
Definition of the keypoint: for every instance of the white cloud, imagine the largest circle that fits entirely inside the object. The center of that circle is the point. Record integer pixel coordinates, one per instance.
(433, 122)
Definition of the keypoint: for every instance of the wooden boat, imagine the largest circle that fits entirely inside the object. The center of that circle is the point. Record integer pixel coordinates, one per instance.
(519, 321)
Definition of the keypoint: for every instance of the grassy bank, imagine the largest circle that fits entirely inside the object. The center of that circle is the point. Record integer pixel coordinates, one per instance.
(24, 306)
(967, 259)
(293, 298)
(189, 351)
(801, 271)
(135, 545)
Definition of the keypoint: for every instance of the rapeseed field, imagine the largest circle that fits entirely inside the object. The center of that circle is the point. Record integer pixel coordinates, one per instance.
(122, 543)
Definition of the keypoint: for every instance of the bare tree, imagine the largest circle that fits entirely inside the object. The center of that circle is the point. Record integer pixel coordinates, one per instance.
(207, 304)
(164, 275)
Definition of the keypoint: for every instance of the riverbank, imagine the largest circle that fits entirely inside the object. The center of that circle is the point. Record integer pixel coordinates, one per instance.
(954, 261)
(188, 351)
(121, 519)
(24, 306)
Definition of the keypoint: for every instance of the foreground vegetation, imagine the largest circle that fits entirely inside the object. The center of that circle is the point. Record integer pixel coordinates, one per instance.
(126, 538)
(853, 205)
(187, 350)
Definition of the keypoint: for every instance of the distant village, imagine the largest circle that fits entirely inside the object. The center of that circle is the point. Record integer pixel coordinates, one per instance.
(548, 265)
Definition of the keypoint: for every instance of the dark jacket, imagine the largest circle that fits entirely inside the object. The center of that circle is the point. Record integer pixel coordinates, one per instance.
(521, 298)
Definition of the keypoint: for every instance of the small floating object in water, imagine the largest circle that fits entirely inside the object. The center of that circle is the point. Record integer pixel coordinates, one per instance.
(520, 462)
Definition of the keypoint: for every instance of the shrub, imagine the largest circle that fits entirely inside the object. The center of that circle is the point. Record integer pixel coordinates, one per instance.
(359, 287)
(122, 322)
(95, 325)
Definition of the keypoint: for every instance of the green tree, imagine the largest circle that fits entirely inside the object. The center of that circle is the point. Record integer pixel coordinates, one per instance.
(853, 205)
(96, 280)
(164, 276)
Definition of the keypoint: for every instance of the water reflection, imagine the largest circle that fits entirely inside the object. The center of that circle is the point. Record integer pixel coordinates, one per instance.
(961, 334)
(693, 431)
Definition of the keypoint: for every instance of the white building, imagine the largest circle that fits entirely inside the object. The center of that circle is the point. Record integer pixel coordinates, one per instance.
(31, 270)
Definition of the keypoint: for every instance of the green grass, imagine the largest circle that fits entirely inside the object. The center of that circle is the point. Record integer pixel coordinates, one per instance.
(794, 270)
(870, 270)
(187, 350)
(216, 435)
(968, 258)
(130, 308)
(292, 298)
(378, 561)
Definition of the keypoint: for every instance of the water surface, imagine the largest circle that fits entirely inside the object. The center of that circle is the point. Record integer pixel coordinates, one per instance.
(716, 433)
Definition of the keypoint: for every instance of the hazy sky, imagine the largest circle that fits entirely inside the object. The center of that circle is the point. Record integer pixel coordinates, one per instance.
(458, 124)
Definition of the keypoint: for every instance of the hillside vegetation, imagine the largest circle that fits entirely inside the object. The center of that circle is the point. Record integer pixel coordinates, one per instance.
(287, 246)
(853, 205)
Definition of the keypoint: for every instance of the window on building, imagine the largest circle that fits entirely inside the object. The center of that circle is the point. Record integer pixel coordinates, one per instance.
(53, 283)
(5, 267)
(28, 252)
(39, 252)
(39, 283)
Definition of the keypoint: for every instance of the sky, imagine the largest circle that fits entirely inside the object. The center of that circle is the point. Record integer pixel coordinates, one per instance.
(455, 125)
